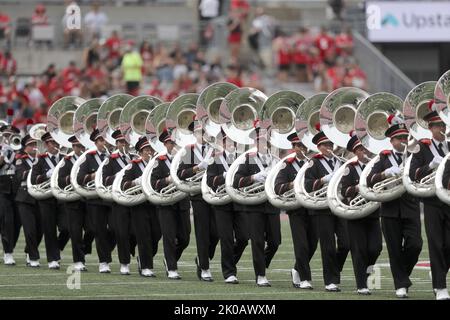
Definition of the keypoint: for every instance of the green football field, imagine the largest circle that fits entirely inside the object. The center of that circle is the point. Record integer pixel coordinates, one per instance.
(21, 282)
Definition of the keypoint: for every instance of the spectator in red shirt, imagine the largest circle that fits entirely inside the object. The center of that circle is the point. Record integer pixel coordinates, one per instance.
(5, 28)
(8, 65)
(95, 71)
(71, 71)
(344, 43)
(336, 74)
(146, 51)
(235, 35)
(174, 92)
(113, 44)
(282, 50)
(155, 90)
(40, 114)
(324, 42)
(355, 76)
(302, 43)
(241, 7)
(39, 17)
(234, 75)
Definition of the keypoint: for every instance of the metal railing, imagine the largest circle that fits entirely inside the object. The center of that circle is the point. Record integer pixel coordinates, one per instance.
(382, 74)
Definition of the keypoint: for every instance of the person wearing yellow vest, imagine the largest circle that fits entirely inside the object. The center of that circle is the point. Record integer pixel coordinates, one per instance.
(132, 69)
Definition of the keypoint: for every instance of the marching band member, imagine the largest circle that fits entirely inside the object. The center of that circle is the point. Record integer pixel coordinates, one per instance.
(144, 217)
(96, 208)
(263, 219)
(77, 217)
(332, 229)
(53, 215)
(196, 159)
(174, 219)
(26, 204)
(436, 213)
(364, 233)
(400, 218)
(232, 225)
(9, 216)
(303, 225)
(120, 214)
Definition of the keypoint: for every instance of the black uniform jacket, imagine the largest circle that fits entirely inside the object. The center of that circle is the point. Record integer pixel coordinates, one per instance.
(313, 176)
(243, 178)
(419, 165)
(23, 165)
(158, 180)
(349, 185)
(286, 176)
(406, 206)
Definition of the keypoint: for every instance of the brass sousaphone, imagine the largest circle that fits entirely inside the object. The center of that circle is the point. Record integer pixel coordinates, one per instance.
(132, 123)
(60, 119)
(208, 108)
(371, 125)
(85, 120)
(415, 108)
(155, 124)
(239, 111)
(282, 108)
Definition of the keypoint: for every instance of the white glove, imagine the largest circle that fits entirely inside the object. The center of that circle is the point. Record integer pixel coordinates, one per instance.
(49, 173)
(260, 176)
(224, 174)
(137, 181)
(392, 171)
(327, 178)
(169, 179)
(203, 164)
(435, 162)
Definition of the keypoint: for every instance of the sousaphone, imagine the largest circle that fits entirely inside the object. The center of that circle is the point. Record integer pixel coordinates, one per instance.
(108, 118)
(281, 108)
(415, 108)
(370, 126)
(155, 124)
(60, 120)
(85, 120)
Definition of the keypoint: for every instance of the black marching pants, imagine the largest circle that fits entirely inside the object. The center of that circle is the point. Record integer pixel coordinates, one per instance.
(232, 227)
(81, 229)
(334, 246)
(9, 222)
(31, 222)
(437, 227)
(365, 245)
(205, 232)
(176, 229)
(104, 233)
(305, 237)
(265, 236)
(54, 218)
(404, 243)
(145, 221)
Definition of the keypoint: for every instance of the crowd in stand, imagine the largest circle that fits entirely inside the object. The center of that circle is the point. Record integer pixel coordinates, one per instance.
(111, 65)
(325, 59)
(119, 66)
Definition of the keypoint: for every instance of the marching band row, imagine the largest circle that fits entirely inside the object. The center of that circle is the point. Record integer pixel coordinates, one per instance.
(347, 167)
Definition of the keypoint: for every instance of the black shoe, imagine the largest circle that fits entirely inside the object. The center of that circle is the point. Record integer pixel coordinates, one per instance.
(199, 271)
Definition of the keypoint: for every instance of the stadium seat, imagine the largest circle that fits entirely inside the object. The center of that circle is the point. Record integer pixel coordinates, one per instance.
(43, 33)
(23, 29)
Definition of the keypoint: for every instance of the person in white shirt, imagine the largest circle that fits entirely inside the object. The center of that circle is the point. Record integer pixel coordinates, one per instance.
(94, 21)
